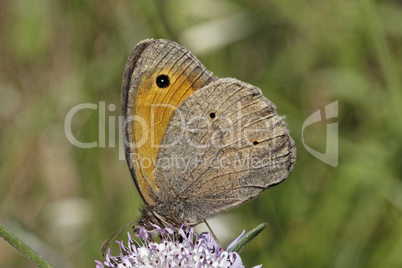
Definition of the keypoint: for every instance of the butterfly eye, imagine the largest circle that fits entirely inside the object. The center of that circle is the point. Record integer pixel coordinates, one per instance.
(255, 142)
(162, 81)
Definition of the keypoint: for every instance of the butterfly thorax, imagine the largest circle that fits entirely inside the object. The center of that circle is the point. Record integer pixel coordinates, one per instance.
(162, 215)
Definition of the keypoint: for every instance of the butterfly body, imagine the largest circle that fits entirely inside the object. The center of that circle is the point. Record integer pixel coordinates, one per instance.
(197, 145)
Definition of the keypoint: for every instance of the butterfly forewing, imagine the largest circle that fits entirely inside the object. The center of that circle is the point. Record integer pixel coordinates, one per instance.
(159, 76)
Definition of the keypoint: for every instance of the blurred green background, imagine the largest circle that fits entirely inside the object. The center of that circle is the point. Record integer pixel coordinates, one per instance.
(64, 200)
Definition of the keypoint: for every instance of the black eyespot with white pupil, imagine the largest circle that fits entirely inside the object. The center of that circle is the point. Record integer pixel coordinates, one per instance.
(162, 81)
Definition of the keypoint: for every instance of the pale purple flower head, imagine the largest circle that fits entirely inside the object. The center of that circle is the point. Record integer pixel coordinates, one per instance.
(187, 249)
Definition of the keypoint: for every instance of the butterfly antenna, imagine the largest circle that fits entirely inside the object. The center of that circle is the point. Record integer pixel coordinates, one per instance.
(107, 242)
(213, 234)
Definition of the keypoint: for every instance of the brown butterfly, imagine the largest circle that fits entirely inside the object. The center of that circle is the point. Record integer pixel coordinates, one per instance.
(196, 145)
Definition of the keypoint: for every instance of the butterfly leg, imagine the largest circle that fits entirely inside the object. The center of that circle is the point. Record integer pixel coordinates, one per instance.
(213, 234)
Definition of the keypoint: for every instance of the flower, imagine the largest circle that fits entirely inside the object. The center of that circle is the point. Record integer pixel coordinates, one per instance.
(185, 248)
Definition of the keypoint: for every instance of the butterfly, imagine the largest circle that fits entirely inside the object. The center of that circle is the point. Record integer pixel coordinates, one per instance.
(196, 145)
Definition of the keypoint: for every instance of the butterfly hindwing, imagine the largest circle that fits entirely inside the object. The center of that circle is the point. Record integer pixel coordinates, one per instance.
(222, 146)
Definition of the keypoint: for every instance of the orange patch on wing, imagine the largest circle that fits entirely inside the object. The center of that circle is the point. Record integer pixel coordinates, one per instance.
(155, 105)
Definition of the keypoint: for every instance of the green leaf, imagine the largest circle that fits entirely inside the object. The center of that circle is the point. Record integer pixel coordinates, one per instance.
(248, 237)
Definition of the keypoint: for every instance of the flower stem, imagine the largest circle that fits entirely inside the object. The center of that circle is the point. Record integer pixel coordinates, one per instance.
(23, 248)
